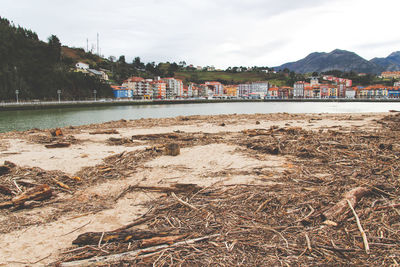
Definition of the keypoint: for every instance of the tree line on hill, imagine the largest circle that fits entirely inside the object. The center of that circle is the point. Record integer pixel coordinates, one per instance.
(37, 70)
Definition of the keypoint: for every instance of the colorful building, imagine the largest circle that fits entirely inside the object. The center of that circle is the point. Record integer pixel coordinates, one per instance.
(121, 92)
(159, 89)
(273, 92)
(215, 88)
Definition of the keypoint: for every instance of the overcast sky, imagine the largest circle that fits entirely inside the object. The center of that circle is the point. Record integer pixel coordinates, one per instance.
(215, 32)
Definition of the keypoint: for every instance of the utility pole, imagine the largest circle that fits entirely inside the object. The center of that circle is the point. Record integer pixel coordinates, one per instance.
(94, 92)
(87, 45)
(59, 95)
(98, 49)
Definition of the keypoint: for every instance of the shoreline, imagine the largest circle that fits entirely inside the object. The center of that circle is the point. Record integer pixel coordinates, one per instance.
(77, 104)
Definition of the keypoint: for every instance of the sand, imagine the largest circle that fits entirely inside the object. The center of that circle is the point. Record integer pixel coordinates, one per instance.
(204, 165)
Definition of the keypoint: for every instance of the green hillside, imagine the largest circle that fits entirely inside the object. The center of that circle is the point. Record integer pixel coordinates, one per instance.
(38, 69)
(222, 76)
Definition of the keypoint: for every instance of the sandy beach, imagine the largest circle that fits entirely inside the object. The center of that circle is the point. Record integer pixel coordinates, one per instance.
(321, 156)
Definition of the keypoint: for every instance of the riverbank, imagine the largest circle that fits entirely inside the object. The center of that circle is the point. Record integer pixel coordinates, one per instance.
(263, 186)
(82, 104)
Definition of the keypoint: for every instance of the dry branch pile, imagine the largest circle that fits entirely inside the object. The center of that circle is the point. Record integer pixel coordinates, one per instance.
(301, 220)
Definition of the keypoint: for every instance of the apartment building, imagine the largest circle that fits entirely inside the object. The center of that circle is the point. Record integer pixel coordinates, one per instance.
(174, 87)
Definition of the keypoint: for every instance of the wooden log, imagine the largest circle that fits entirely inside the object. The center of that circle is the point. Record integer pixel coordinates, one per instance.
(155, 241)
(58, 145)
(177, 188)
(93, 238)
(112, 131)
(172, 149)
(39, 192)
(337, 212)
(105, 260)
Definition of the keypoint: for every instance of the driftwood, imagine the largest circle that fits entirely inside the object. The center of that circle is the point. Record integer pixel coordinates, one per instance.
(154, 136)
(113, 131)
(155, 241)
(173, 188)
(37, 193)
(172, 149)
(58, 145)
(353, 196)
(93, 238)
(131, 254)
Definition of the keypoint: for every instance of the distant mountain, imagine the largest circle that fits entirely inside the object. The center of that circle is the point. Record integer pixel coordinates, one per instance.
(336, 60)
(390, 63)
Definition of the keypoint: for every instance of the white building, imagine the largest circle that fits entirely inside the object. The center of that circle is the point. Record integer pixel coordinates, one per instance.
(298, 89)
(174, 87)
(82, 66)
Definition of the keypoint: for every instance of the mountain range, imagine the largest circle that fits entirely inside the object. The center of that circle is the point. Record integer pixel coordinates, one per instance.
(344, 61)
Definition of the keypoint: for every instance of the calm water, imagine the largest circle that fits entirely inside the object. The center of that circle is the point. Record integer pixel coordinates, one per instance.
(51, 118)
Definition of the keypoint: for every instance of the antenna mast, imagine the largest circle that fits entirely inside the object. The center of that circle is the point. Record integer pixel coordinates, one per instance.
(98, 49)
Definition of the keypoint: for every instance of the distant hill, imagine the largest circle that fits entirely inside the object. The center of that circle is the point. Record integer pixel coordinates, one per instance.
(390, 63)
(336, 60)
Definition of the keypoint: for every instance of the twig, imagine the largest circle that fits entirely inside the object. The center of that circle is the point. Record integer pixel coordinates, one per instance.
(308, 243)
(387, 207)
(143, 218)
(263, 204)
(364, 236)
(16, 185)
(80, 227)
(183, 202)
(131, 254)
(101, 239)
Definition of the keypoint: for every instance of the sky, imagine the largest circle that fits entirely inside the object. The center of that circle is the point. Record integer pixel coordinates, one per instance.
(214, 32)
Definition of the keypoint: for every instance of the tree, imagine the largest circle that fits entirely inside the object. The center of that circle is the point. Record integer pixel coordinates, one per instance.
(55, 47)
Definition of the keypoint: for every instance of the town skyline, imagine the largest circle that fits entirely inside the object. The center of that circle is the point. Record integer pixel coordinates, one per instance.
(219, 33)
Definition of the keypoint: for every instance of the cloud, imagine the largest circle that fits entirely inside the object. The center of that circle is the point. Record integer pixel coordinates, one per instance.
(213, 32)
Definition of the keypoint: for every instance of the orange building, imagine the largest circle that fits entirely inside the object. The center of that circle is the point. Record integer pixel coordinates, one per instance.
(230, 90)
(159, 89)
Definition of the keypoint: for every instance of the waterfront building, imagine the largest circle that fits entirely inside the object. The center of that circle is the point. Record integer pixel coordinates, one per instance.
(216, 87)
(174, 87)
(273, 92)
(159, 89)
(324, 90)
(394, 92)
(350, 93)
(316, 91)
(308, 91)
(231, 90)
(259, 87)
(121, 92)
(285, 92)
(333, 92)
(244, 90)
(141, 88)
(298, 89)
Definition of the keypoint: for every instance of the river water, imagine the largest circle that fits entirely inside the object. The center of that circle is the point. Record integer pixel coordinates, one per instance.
(52, 118)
